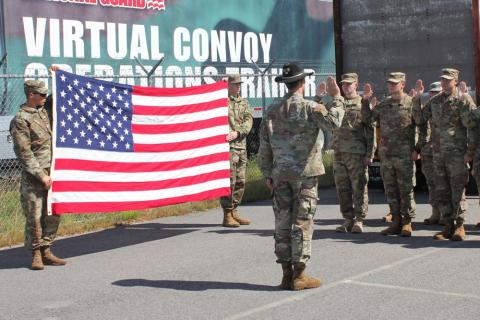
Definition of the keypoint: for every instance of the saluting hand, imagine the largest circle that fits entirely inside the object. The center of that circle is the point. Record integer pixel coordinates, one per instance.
(419, 88)
(367, 91)
(322, 89)
(332, 87)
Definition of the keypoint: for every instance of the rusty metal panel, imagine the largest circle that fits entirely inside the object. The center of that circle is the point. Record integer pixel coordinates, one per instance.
(416, 37)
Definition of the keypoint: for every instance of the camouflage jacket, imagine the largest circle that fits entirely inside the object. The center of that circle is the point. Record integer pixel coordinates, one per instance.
(288, 137)
(356, 134)
(397, 123)
(425, 129)
(451, 118)
(32, 139)
(239, 119)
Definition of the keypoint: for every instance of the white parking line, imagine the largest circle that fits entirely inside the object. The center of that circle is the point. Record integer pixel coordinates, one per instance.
(385, 286)
(308, 293)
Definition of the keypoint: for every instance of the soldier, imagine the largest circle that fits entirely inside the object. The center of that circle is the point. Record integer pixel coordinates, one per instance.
(32, 138)
(397, 152)
(427, 154)
(240, 122)
(453, 146)
(353, 144)
(291, 162)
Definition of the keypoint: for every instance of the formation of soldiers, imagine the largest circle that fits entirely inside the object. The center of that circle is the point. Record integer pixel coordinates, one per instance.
(444, 131)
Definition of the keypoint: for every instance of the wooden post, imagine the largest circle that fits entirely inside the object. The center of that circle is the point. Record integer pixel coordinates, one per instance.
(476, 43)
(337, 23)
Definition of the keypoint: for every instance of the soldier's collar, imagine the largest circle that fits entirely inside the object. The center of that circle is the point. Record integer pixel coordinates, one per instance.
(235, 98)
(25, 107)
(453, 95)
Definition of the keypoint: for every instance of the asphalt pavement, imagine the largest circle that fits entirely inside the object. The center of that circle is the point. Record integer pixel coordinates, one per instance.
(189, 267)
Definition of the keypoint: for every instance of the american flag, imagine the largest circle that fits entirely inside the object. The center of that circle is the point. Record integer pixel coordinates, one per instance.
(119, 147)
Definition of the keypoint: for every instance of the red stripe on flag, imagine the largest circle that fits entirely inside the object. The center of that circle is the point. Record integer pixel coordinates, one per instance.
(177, 110)
(178, 92)
(87, 207)
(179, 146)
(178, 127)
(90, 186)
(106, 166)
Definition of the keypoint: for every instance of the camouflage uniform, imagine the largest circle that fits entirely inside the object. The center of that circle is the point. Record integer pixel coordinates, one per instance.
(289, 156)
(427, 159)
(239, 120)
(32, 135)
(352, 143)
(396, 145)
(450, 117)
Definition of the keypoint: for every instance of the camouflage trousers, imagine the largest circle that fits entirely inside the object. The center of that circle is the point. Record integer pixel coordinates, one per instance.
(398, 175)
(451, 177)
(427, 170)
(40, 228)
(238, 166)
(351, 178)
(476, 171)
(294, 205)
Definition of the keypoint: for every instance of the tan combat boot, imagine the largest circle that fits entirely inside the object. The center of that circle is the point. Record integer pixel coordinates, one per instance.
(50, 259)
(447, 232)
(345, 227)
(239, 219)
(357, 226)
(287, 276)
(459, 233)
(228, 220)
(387, 217)
(406, 227)
(395, 227)
(37, 263)
(434, 218)
(301, 281)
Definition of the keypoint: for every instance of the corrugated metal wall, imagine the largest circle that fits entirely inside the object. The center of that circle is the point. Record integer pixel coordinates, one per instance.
(418, 37)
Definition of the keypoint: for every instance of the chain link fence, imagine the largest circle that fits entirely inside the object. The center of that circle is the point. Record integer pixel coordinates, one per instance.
(261, 90)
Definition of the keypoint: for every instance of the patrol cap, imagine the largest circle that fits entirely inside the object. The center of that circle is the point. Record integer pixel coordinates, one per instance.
(349, 78)
(450, 74)
(234, 78)
(35, 86)
(435, 87)
(291, 72)
(396, 77)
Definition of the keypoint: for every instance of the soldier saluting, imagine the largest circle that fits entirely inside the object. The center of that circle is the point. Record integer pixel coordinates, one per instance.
(291, 162)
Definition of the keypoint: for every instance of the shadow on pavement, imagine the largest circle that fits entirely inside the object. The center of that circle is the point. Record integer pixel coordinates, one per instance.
(104, 240)
(369, 237)
(193, 285)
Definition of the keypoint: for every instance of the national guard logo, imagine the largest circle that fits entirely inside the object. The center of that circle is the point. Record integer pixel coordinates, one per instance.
(129, 4)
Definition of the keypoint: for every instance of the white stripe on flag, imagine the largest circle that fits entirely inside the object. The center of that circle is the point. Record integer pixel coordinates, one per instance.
(122, 196)
(128, 157)
(95, 176)
(181, 118)
(173, 101)
(180, 136)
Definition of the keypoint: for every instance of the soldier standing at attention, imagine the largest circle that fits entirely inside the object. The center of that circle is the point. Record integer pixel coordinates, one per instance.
(397, 152)
(427, 154)
(32, 138)
(453, 146)
(353, 144)
(291, 162)
(240, 121)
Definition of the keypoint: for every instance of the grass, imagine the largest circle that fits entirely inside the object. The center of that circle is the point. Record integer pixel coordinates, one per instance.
(12, 220)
